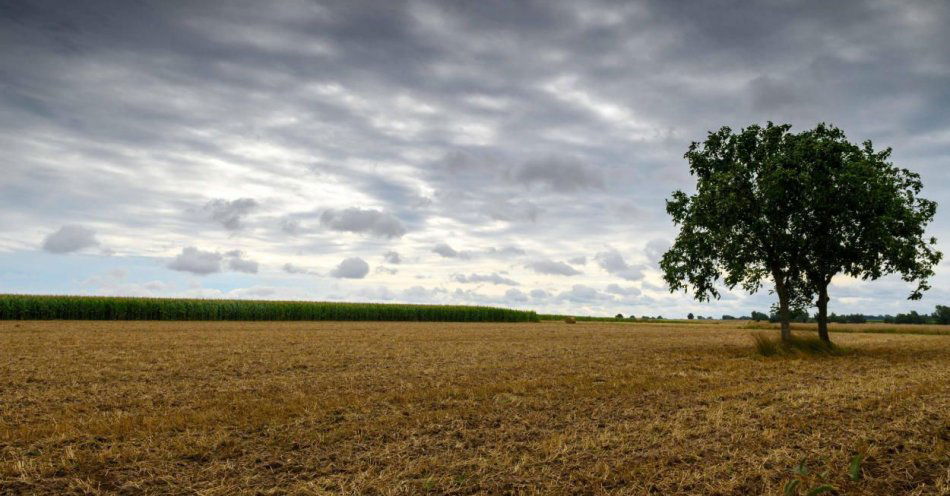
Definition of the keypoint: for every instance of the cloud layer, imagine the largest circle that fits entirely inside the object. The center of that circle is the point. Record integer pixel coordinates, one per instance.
(258, 145)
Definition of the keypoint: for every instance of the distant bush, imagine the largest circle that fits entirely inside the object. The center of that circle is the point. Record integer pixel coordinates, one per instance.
(757, 316)
(728, 317)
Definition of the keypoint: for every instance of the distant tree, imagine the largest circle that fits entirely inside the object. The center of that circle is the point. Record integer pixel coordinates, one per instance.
(728, 317)
(757, 316)
(799, 209)
(942, 315)
(910, 318)
(619, 316)
(690, 316)
(857, 318)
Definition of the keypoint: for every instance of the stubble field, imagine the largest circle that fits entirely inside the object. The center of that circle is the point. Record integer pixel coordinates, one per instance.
(438, 408)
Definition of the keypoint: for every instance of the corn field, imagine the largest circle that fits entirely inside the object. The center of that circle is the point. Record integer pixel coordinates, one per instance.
(41, 307)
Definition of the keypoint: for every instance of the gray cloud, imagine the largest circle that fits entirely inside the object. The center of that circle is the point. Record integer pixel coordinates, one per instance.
(480, 278)
(622, 291)
(655, 249)
(539, 294)
(368, 221)
(351, 268)
(444, 250)
(230, 213)
(560, 174)
(504, 252)
(70, 238)
(196, 261)
(515, 296)
(581, 260)
(392, 257)
(580, 293)
(296, 269)
(552, 267)
(240, 264)
(612, 261)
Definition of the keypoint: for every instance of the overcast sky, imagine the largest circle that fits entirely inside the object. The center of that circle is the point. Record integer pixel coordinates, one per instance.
(505, 153)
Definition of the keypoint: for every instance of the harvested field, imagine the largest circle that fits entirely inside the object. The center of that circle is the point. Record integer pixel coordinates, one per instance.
(414, 408)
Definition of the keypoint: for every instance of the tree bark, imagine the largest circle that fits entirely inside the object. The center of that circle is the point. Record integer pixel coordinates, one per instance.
(823, 313)
(784, 314)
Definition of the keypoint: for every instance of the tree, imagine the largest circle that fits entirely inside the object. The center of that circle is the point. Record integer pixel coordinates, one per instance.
(865, 217)
(618, 316)
(690, 316)
(910, 318)
(757, 316)
(942, 315)
(799, 209)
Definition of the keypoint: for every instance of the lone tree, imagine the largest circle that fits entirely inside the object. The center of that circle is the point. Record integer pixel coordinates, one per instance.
(799, 209)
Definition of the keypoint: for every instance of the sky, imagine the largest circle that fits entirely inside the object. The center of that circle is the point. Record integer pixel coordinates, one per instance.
(492, 153)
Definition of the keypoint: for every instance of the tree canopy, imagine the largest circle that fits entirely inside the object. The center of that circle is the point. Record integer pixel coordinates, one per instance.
(796, 208)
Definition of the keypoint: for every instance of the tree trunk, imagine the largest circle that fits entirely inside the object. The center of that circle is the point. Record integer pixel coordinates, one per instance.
(784, 315)
(823, 314)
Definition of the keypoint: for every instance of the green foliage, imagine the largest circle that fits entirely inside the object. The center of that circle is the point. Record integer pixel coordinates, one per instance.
(794, 315)
(690, 316)
(942, 315)
(35, 307)
(910, 318)
(757, 316)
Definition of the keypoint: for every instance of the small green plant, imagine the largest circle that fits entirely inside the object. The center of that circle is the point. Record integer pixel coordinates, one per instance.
(854, 468)
(800, 471)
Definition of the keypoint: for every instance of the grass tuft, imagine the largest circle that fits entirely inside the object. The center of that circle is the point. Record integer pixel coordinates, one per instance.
(769, 346)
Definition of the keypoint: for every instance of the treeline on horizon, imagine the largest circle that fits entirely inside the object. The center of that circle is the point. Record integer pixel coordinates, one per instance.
(48, 307)
(941, 315)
